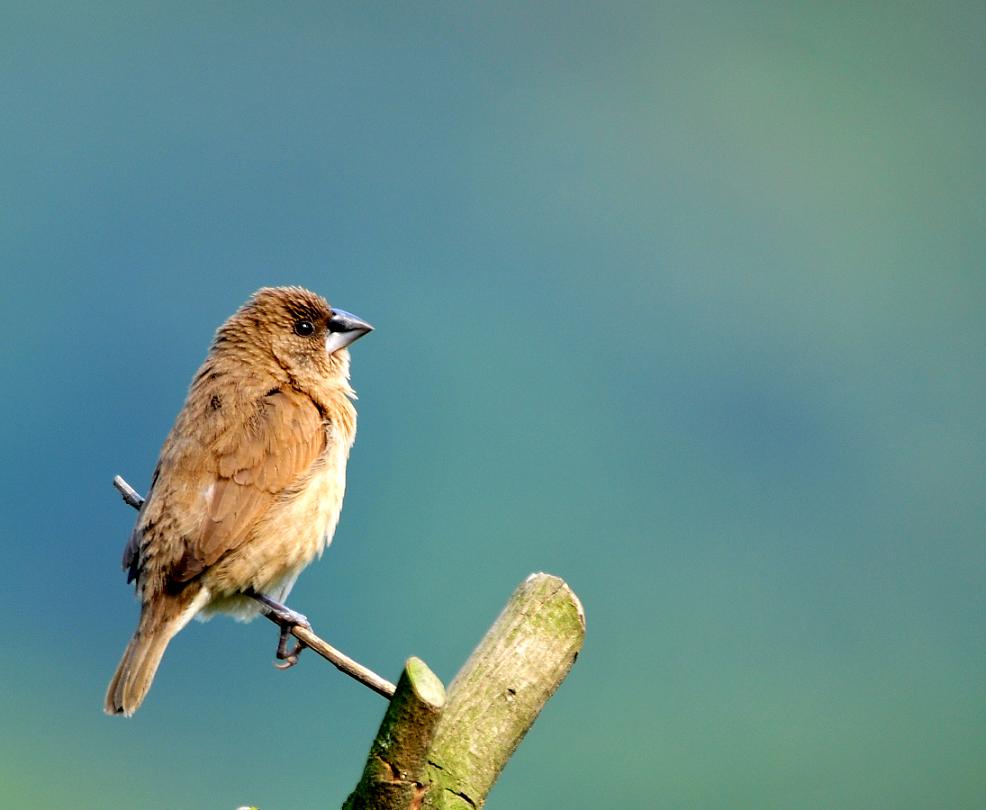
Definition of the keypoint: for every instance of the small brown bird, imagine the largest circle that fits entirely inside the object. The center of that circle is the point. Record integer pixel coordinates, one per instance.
(249, 485)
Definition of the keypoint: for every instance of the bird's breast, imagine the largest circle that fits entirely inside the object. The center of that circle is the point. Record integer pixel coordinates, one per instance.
(296, 528)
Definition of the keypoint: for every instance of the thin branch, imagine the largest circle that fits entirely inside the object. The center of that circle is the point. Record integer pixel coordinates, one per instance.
(130, 495)
(305, 635)
(342, 662)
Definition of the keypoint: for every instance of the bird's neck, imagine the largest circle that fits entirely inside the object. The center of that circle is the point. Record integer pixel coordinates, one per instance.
(332, 394)
(335, 405)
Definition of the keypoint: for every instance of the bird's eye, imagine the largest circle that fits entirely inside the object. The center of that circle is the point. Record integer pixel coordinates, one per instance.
(305, 328)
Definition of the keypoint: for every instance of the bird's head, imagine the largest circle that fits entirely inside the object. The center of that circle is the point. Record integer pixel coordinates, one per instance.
(297, 329)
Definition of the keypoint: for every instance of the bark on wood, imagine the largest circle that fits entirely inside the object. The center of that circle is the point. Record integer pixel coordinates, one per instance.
(491, 704)
(501, 689)
(395, 769)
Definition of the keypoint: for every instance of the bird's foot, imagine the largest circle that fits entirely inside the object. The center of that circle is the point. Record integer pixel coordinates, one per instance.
(288, 619)
(290, 658)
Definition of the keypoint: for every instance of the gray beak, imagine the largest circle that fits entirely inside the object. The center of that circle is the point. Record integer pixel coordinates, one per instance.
(344, 328)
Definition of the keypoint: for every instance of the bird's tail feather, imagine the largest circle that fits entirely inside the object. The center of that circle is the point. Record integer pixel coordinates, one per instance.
(160, 619)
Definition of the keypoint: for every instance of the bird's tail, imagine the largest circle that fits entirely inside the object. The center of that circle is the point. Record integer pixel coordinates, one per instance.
(160, 619)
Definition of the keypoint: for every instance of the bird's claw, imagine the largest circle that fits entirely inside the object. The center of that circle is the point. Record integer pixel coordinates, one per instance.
(287, 618)
(289, 659)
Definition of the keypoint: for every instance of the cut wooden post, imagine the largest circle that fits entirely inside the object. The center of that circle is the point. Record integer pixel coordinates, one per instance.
(501, 689)
(394, 776)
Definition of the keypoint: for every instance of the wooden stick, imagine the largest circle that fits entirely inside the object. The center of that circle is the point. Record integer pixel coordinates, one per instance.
(500, 690)
(305, 635)
(394, 776)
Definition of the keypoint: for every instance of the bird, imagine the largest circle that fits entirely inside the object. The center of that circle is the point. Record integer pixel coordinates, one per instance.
(249, 484)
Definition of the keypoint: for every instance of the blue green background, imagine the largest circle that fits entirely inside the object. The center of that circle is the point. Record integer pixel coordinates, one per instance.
(681, 302)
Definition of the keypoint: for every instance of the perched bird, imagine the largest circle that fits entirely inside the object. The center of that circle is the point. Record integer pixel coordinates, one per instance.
(249, 484)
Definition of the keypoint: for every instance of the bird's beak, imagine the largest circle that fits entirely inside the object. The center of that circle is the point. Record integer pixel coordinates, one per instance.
(344, 328)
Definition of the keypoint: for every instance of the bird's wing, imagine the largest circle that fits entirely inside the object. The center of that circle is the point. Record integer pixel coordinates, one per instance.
(251, 464)
(275, 453)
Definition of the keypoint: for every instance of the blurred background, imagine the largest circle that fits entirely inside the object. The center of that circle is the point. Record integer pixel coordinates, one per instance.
(681, 302)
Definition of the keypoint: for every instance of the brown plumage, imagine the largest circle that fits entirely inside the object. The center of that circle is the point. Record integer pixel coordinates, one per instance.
(249, 484)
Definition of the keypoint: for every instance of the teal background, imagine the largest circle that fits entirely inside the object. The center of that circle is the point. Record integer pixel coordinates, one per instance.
(681, 302)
